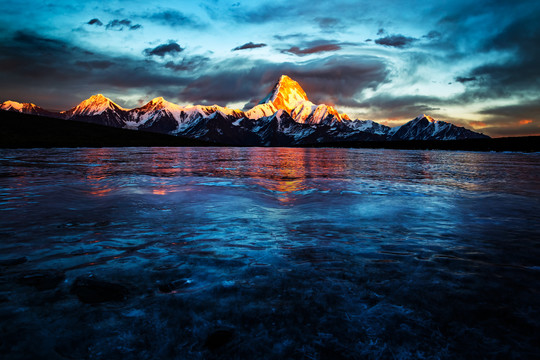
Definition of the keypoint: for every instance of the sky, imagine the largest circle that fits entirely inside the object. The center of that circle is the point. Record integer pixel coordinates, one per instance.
(472, 63)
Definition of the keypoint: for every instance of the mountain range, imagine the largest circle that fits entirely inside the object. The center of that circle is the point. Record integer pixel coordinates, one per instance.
(284, 117)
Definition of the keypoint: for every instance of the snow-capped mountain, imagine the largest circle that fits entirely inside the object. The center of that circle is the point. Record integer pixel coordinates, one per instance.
(26, 108)
(98, 109)
(288, 95)
(424, 127)
(284, 117)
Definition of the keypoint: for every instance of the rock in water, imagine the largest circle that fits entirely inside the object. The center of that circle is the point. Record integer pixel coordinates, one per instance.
(42, 279)
(90, 290)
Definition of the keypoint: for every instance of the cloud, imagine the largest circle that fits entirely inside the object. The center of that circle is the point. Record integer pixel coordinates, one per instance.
(188, 63)
(517, 74)
(332, 80)
(330, 24)
(290, 36)
(381, 31)
(175, 19)
(248, 45)
(432, 35)
(95, 21)
(172, 49)
(519, 119)
(314, 48)
(399, 41)
(95, 64)
(120, 25)
(62, 74)
(463, 80)
(404, 107)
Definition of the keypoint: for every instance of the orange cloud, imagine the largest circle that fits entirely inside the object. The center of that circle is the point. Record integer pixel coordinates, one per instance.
(524, 122)
(478, 124)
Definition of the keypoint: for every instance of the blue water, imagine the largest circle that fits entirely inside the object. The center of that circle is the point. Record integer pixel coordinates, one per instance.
(271, 253)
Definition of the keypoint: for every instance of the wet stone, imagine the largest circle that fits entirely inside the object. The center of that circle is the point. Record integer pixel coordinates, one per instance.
(90, 290)
(13, 262)
(42, 279)
(218, 339)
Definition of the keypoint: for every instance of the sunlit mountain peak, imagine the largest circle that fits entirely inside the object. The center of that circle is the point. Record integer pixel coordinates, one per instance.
(286, 94)
(427, 117)
(157, 100)
(15, 106)
(94, 105)
(27, 108)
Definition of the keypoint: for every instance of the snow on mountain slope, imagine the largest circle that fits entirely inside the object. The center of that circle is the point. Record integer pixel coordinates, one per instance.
(94, 105)
(424, 127)
(288, 95)
(26, 108)
(284, 117)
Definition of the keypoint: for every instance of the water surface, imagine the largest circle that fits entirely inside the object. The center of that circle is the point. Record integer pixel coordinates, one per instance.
(270, 253)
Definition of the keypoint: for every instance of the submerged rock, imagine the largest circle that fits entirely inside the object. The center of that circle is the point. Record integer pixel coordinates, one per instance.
(13, 262)
(218, 339)
(42, 279)
(90, 290)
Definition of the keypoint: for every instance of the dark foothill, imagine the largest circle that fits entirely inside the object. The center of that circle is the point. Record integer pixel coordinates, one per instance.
(13, 262)
(42, 279)
(90, 290)
(218, 339)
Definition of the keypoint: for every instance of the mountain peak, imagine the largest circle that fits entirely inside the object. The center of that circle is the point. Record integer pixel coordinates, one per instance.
(20, 107)
(427, 117)
(286, 94)
(94, 105)
(157, 100)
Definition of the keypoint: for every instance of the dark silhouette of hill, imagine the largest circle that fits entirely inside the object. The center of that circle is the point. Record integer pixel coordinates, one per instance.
(31, 131)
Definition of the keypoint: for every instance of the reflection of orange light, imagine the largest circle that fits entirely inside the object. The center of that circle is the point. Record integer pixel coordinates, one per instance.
(159, 192)
(96, 176)
(525, 122)
(101, 192)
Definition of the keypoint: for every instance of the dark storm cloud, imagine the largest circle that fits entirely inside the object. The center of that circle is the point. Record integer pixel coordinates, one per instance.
(432, 35)
(333, 80)
(172, 49)
(188, 63)
(517, 74)
(43, 69)
(311, 50)
(399, 41)
(120, 25)
(95, 64)
(401, 107)
(175, 19)
(314, 47)
(96, 22)
(248, 45)
(330, 24)
(462, 79)
(526, 112)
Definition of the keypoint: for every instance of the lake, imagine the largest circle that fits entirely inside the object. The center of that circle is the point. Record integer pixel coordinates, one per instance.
(275, 253)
